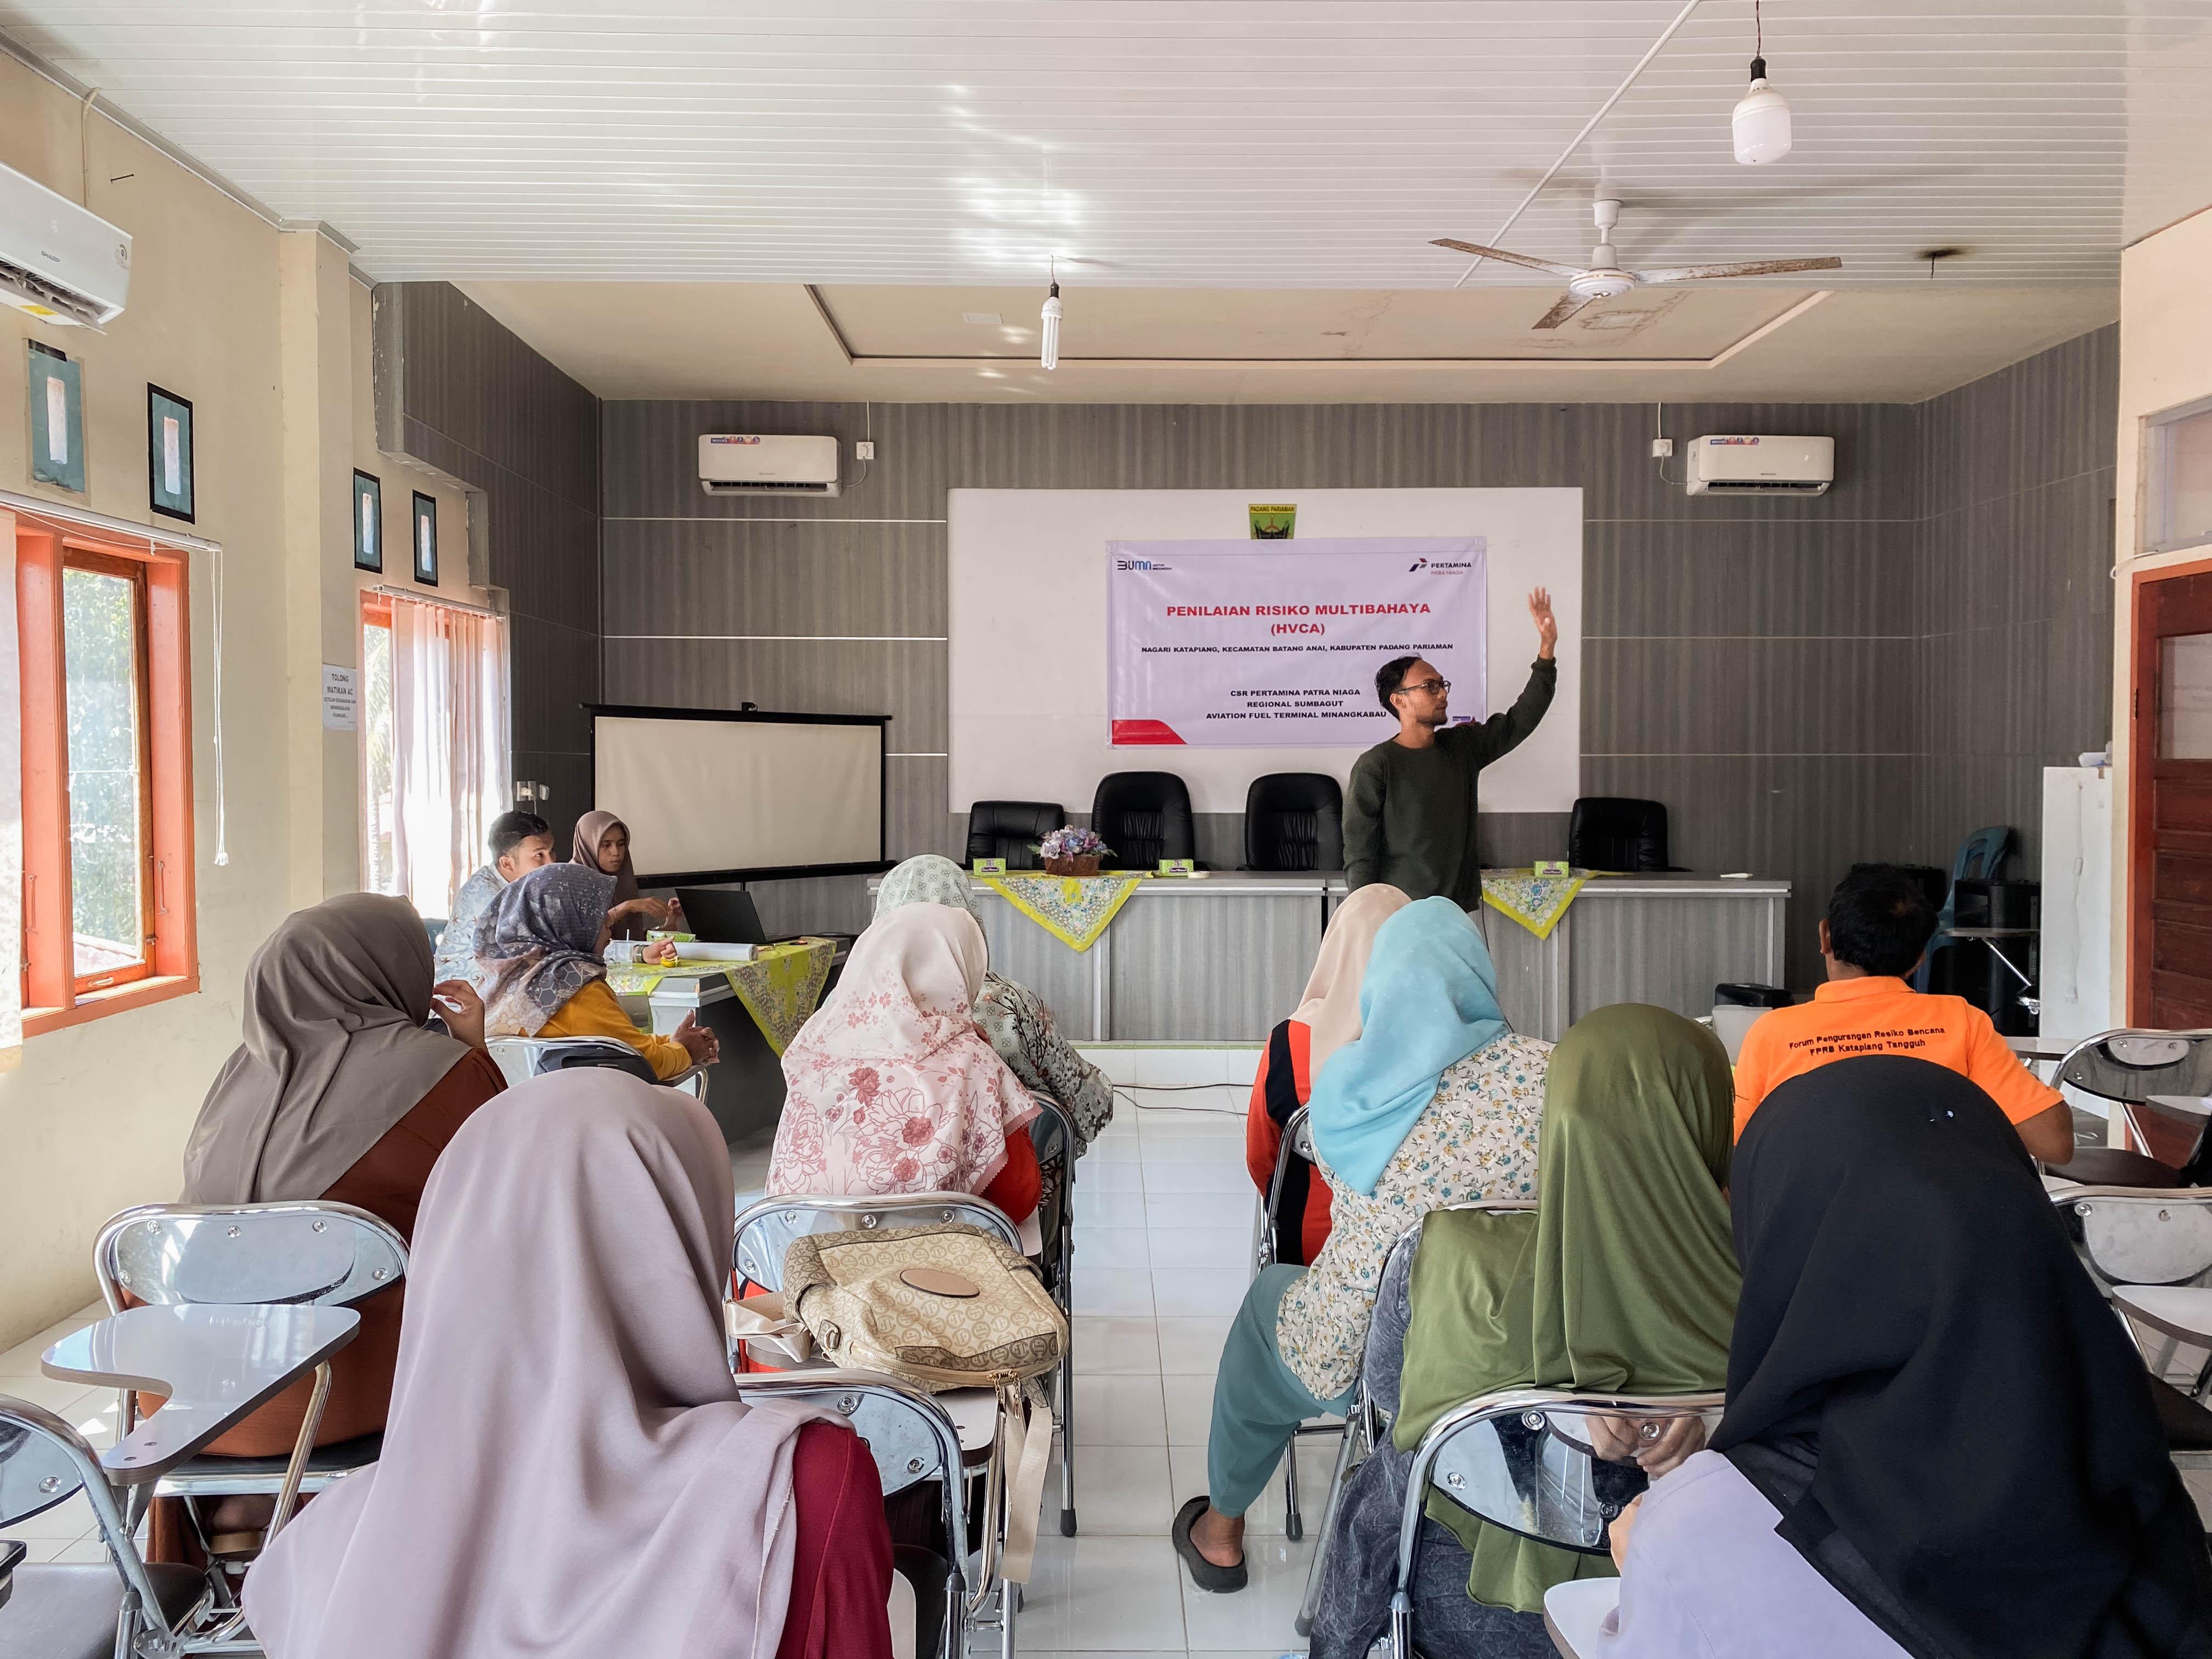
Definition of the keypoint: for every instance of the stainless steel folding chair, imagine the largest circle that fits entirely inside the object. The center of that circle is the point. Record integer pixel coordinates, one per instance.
(765, 1230)
(311, 1253)
(519, 1058)
(1545, 1463)
(91, 1610)
(1060, 1278)
(1365, 1423)
(912, 1439)
(2130, 1067)
(1297, 1143)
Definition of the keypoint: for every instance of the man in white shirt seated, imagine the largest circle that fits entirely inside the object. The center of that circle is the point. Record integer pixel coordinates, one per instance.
(520, 842)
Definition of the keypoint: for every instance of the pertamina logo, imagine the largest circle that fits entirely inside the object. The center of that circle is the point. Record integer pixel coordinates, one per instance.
(1440, 565)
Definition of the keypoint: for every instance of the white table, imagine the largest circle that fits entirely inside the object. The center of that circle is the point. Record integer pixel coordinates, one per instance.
(744, 1087)
(1222, 959)
(216, 1365)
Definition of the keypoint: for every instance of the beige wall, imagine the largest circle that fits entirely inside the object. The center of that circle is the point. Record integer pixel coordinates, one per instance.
(266, 332)
(2166, 359)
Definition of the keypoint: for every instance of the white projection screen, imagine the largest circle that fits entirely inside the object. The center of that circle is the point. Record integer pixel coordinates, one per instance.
(718, 797)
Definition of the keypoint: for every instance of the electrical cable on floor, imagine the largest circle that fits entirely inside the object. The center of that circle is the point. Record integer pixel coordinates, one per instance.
(1122, 1091)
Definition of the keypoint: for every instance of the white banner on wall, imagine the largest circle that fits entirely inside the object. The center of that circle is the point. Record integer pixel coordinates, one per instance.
(1269, 645)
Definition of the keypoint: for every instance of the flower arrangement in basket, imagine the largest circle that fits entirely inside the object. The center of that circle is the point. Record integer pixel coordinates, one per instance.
(1072, 852)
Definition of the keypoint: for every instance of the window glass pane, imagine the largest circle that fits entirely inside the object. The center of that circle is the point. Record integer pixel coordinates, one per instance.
(2185, 697)
(379, 798)
(2187, 513)
(106, 781)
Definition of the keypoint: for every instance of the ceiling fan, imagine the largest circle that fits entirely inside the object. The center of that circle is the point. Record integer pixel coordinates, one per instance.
(1604, 279)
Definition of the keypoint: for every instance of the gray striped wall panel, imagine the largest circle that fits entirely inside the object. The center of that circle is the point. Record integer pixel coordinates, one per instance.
(479, 403)
(1798, 679)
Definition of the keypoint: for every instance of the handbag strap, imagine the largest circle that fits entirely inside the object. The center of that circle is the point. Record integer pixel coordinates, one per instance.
(1025, 1428)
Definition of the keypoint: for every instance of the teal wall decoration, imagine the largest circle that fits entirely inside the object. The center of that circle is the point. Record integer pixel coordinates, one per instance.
(56, 419)
(170, 454)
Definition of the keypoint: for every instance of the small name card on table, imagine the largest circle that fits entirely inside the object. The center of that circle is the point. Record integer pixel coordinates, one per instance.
(1552, 867)
(990, 866)
(1178, 867)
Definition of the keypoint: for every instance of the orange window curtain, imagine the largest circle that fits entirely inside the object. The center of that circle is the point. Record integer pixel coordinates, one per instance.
(452, 762)
(11, 805)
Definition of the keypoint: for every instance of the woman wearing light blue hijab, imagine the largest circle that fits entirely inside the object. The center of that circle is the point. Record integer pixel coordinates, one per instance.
(1436, 1103)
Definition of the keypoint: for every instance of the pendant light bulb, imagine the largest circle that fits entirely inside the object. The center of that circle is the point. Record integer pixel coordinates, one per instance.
(1049, 356)
(1761, 121)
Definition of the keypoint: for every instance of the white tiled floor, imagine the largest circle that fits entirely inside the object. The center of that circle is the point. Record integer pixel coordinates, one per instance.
(1163, 1212)
(1164, 1235)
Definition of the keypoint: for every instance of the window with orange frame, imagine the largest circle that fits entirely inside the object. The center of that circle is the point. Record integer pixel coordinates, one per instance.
(104, 646)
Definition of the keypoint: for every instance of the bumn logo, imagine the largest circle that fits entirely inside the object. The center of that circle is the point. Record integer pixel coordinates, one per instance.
(1140, 564)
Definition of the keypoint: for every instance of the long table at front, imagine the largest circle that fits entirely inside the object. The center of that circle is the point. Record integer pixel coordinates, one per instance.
(1220, 959)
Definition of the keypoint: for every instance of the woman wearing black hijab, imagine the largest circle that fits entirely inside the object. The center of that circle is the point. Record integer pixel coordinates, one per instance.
(1928, 1402)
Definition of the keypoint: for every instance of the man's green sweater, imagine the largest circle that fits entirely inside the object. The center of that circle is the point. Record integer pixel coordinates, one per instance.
(1409, 820)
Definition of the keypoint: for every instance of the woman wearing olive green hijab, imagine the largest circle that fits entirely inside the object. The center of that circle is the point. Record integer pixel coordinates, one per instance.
(1624, 1279)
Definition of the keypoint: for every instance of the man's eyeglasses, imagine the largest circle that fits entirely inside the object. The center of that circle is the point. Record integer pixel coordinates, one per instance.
(1434, 687)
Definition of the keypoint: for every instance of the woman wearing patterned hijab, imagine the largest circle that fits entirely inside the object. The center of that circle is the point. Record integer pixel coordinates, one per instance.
(538, 960)
(1014, 1017)
(890, 1088)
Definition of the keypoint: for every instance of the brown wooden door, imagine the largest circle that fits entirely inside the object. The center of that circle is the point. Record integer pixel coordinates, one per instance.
(2170, 878)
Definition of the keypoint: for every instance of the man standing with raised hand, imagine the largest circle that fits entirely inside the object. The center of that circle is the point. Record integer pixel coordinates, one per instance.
(1409, 820)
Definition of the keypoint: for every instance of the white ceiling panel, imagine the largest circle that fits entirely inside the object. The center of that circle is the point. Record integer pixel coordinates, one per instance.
(1159, 145)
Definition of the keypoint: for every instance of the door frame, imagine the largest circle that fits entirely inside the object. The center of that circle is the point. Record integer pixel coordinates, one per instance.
(2143, 755)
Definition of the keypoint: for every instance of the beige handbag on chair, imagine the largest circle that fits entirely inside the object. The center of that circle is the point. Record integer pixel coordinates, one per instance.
(942, 1307)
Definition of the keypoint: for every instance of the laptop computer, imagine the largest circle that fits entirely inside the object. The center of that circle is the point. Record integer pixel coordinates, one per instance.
(721, 915)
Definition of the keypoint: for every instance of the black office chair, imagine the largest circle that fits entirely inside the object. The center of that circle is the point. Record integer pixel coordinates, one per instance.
(1618, 832)
(1294, 821)
(1009, 829)
(1144, 817)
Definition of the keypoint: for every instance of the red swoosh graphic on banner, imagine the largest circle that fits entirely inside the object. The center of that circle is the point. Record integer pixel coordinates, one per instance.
(1127, 732)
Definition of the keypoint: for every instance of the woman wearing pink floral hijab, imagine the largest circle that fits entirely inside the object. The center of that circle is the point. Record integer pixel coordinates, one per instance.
(890, 1088)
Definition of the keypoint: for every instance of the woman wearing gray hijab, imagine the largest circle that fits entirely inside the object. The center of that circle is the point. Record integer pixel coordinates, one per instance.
(538, 961)
(1012, 1017)
(342, 1091)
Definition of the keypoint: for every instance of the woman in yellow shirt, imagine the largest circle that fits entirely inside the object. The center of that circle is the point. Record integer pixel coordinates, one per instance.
(538, 954)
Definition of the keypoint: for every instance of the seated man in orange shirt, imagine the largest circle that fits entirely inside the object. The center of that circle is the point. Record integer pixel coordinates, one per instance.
(1878, 924)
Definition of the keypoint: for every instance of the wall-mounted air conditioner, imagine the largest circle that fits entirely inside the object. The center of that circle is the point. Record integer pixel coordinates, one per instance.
(58, 262)
(1736, 464)
(736, 464)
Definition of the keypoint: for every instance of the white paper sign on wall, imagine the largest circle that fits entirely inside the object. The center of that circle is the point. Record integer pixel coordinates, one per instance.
(341, 698)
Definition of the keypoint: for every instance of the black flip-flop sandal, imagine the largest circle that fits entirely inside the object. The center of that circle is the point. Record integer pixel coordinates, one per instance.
(1222, 1581)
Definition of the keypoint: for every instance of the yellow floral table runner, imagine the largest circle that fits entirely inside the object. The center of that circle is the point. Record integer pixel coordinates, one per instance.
(1535, 902)
(1074, 910)
(780, 987)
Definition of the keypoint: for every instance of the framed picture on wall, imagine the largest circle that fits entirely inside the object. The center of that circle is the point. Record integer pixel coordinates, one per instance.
(368, 522)
(57, 418)
(170, 454)
(426, 539)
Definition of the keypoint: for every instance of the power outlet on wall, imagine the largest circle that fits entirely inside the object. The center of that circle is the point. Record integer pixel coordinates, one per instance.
(864, 450)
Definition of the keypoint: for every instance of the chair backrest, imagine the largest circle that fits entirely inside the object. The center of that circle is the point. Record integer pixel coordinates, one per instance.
(1007, 829)
(767, 1227)
(519, 1058)
(1294, 821)
(1617, 832)
(1980, 854)
(311, 1252)
(40, 1465)
(44, 1462)
(911, 1440)
(1550, 1465)
(1144, 817)
(2133, 1236)
(2133, 1064)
